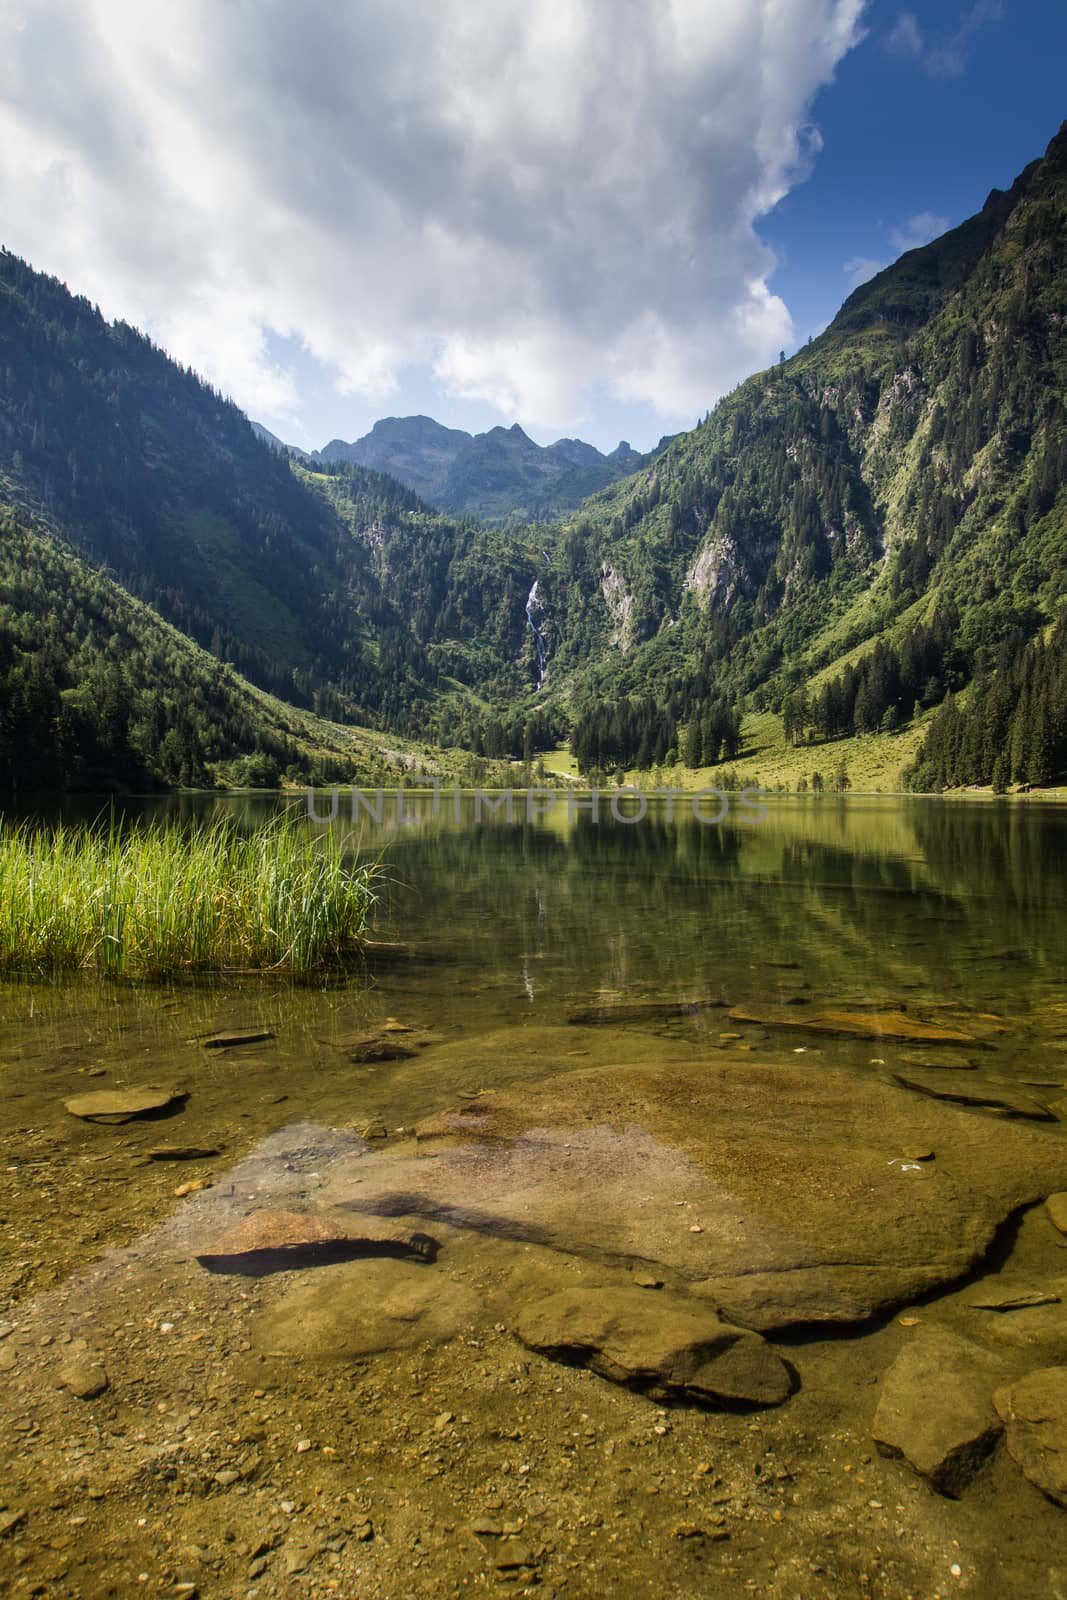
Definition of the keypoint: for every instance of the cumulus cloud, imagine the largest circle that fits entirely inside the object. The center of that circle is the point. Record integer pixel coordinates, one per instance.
(530, 199)
(947, 56)
(917, 230)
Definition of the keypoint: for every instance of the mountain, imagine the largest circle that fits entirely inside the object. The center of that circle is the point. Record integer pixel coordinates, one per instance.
(887, 505)
(499, 477)
(852, 539)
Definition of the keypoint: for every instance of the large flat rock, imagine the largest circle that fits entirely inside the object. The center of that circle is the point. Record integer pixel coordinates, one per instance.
(775, 1192)
(936, 1408)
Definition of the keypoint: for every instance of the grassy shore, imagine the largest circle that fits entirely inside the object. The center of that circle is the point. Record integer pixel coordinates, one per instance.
(164, 900)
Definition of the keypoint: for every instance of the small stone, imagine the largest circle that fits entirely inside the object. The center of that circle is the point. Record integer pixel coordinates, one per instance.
(9, 1520)
(442, 1420)
(696, 1228)
(644, 1281)
(364, 1531)
(226, 1477)
(84, 1379)
(1056, 1206)
(302, 1446)
(909, 1322)
(374, 1130)
(916, 1152)
(193, 1187)
(511, 1554)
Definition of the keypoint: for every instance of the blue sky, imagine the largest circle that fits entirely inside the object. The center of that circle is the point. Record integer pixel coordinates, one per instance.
(907, 135)
(594, 218)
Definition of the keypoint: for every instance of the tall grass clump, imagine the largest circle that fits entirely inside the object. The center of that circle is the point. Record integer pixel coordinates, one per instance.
(162, 900)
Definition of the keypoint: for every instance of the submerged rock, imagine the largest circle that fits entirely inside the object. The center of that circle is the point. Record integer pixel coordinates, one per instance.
(380, 1044)
(1034, 1412)
(980, 1094)
(274, 1241)
(855, 1024)
(1056, 1206)
(85, 1379)
(620, 1011)
(122, 1105)
(774, 1193)
(231, 1039)
(665, 1346)
(936, 1409)
(1020, 1300)
(362, 1309)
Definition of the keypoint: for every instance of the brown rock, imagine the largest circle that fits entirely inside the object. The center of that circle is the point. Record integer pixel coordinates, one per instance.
(84, 1379)
(231, 1039)
(1034, 1412)
(808, 1215)
(935, 1409)
(854, 1024)
(610, 1012)
(363, 1308)
(665, 1346)
(982, 1095)
(1056, 1206)
(122, 1105)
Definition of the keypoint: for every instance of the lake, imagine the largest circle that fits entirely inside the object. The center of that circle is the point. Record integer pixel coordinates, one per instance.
(786, 958)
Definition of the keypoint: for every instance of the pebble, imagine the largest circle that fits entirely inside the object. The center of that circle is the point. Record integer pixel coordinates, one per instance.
(85, 1380)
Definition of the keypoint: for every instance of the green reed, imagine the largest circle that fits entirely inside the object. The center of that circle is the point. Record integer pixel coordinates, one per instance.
(163, 900)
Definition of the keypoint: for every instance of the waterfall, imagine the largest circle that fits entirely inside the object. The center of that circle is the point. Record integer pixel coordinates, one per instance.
(535, 614)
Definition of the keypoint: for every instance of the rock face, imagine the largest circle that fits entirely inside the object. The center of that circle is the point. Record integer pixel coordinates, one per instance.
(775, 1193)
(276, 1241)
(983, 1096)
(936, 1409)
(1034, 1412)
(122, 1105)
(664, 1346)
(855, 1024)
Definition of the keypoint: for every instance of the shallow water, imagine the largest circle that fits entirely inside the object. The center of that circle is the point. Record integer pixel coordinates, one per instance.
(944, 910)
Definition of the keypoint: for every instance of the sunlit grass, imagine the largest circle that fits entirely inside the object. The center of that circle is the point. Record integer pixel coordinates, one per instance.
(164, 900)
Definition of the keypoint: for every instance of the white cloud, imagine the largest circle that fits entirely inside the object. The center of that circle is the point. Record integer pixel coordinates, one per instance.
(917, 230)
(862, 268)
(532, 199)
(946, 57)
